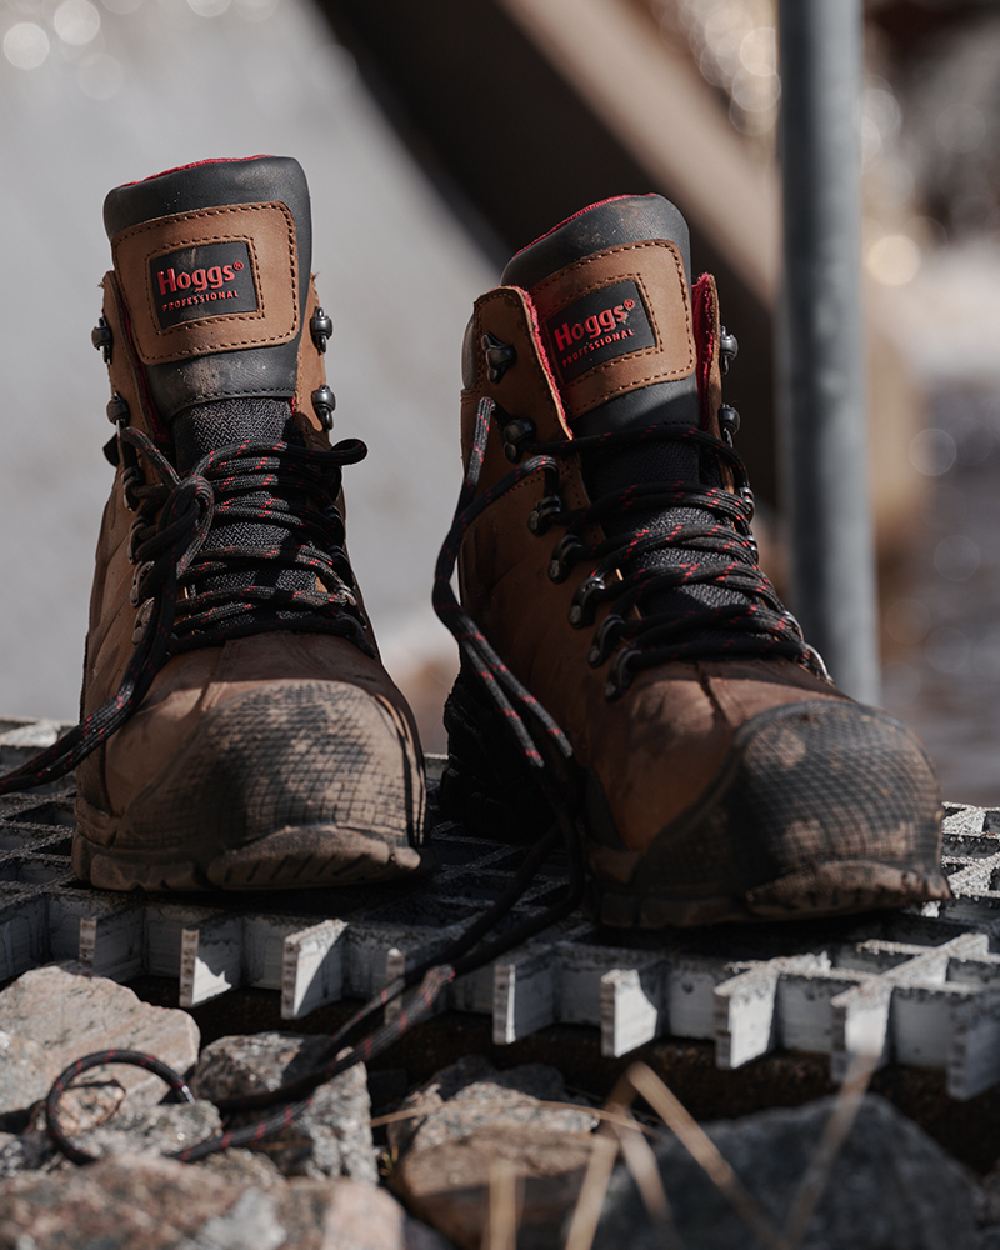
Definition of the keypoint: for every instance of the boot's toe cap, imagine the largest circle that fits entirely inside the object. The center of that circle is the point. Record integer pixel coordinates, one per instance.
(820, 807)
(294, 784)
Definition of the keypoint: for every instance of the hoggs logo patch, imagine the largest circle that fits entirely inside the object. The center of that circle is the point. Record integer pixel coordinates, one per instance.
(199, 279)
(212, 280)
(599, 327)
(595, 326)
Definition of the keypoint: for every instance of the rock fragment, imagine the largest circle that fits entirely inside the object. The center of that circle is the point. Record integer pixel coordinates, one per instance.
(155, 1130)
(144, 1203)
(29, 1151)
(53, 1015)
(332, 1138)
(890, 1186)
(473, 1120)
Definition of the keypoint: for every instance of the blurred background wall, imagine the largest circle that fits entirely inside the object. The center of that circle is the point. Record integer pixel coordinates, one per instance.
(437, 138)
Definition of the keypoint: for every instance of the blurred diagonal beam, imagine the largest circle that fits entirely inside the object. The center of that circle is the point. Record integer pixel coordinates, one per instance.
(518, 122)
(821, 357)
(651, 94)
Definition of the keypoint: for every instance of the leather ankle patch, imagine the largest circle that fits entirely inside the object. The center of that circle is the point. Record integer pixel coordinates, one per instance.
(210, 280)
(617, 321)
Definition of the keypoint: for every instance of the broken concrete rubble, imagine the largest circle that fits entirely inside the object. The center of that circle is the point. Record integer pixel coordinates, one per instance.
(156, 1204)
(471, 1120)
(469, 1127)
(155, 1130)
(52, 1015)
(890, 1186)
(332, 1138)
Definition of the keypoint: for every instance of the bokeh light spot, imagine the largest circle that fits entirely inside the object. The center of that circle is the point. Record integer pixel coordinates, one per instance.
(949, 651)
(758, 51)
(26, 45)
(76, 22)
(907, 621)
(933, 452)
(894, 259)
(208, 8)
(957, 557)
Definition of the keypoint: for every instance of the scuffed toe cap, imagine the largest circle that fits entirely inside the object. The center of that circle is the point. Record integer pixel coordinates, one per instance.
(296, 755)
(821, 807)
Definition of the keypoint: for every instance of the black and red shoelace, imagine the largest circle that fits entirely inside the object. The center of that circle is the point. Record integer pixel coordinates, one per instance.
(177, 555)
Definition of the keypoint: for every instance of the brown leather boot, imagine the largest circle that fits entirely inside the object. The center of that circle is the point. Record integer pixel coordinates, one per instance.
(608, 561)
(242, 732)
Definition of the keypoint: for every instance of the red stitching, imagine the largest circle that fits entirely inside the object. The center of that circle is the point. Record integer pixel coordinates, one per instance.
(179, 169)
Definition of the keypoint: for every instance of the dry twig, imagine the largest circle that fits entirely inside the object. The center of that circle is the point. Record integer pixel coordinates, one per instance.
(501, 1228)
(706, 1154)
(590, 1203)
(835, 1133)
(641, 1163)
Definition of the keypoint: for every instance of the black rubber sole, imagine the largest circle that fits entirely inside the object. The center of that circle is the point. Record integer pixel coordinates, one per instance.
(822, 809)
(306, 857)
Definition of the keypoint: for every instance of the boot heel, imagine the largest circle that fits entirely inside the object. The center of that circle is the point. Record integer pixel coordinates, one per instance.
(486, 786)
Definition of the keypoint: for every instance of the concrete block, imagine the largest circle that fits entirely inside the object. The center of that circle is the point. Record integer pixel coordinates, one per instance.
(211, 959)
(313, 968)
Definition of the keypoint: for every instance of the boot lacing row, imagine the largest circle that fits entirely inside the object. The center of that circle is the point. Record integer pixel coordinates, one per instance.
(272, 482)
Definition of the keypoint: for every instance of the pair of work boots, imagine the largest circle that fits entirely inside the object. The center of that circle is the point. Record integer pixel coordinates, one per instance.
(626, 666)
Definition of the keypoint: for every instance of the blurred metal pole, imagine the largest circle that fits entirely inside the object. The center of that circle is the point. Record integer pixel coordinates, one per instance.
(821, 364)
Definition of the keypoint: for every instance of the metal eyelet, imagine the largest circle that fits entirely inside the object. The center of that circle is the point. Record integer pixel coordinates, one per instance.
(729, 349)
(544, 513)
(117, 409)
(585, 599)
(139, 574)
(746, 494)
(729, 423)
(564, 557)
(133, 539)
(320, 329)
(515, 433)
(606, 637)
(131, 478)
(102, 338)
(499, 356)
(620, 677)
(143, 613)
(324, 402)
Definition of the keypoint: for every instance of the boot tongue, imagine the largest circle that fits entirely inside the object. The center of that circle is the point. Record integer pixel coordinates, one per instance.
(611, 286)
(212, 261)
